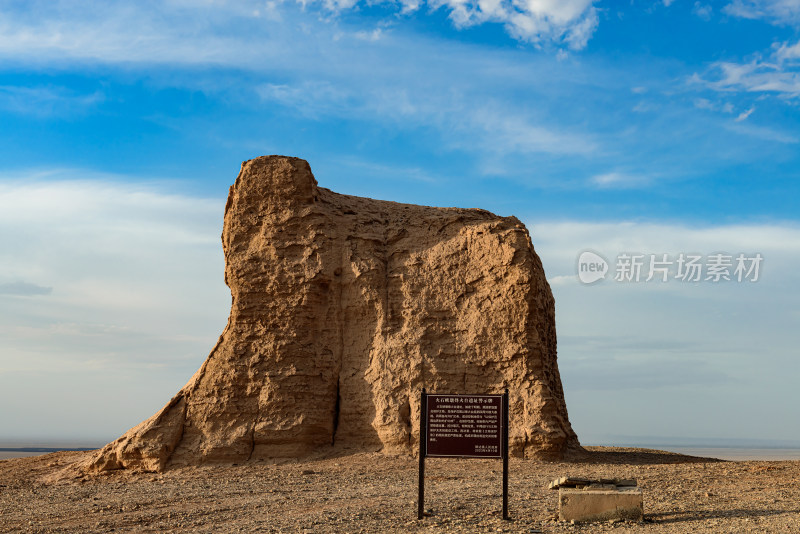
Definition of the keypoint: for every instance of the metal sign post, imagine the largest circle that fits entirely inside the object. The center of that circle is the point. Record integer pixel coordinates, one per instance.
(505, 455)
(463, 426)
(423, 408)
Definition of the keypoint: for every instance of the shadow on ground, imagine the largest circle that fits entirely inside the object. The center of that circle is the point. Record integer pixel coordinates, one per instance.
(630, 456)
(702, 515)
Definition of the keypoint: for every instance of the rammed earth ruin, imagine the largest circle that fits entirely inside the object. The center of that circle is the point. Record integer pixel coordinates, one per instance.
(343, 308)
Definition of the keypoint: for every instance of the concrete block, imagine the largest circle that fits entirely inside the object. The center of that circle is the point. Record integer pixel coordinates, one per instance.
(584, 505)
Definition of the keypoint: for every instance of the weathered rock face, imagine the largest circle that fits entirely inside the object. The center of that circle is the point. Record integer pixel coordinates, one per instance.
(343, 309)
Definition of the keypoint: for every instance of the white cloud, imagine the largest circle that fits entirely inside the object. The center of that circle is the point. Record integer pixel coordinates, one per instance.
(562, 280)
(508, 132)
(469, 119)
(744, 114)
(645, 107)
(166, 33)
(763, 132)
(234, 33)
(397, 172)
(371, 36)
(787, 52)
(322, 70)
(619, 180)
(776, 71)
(702, 10)
(137, 302)
(311, 98)
(45, 101)
(24, 289)
(773, 11)
(704, 103)
(756, 77)
(101, 282)
(537, 21)
(674, 346)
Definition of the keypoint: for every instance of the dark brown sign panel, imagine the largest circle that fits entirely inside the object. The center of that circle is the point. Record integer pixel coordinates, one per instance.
(465, 425)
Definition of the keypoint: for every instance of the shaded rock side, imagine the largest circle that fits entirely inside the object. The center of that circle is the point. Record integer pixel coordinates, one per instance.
(343, 308)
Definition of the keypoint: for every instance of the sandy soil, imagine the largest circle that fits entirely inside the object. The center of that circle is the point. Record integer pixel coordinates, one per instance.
(376, 493)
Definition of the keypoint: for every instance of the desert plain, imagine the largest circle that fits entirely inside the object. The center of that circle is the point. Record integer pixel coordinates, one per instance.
(342, 491)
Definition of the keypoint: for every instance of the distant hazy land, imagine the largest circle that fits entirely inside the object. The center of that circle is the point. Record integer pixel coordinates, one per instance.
(722, 448)
(17, 450)
(731, 453)
(723, 453)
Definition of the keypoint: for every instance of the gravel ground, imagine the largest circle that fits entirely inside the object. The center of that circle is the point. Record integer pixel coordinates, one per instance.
(376, 493)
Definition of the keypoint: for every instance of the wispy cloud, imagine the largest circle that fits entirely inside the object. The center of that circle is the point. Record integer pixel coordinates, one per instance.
(399, 172)
(372, 35)
(507, 132)
(704, 103)
(112, 250)
(619, 180)
(442, 96)
(46, 101)
(320, 67)
(234, 33)
(744, 114)
(24, 289)
(569, 23)
(493, 103)
(773, 11)
(756, 76)
(776, 71)
(702, 10)
(138, 272)
(787, 52)
(312, 98)
(170, 33)
(623, 339)
(138, 298)
(763, 132)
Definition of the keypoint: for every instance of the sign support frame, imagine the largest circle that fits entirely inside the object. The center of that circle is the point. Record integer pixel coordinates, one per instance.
(423, 451)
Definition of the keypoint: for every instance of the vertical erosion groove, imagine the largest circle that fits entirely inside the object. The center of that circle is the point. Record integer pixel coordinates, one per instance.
(336, 413)
(405, 420)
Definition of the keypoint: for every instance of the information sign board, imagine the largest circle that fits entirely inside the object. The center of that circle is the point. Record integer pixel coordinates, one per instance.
(465, 425)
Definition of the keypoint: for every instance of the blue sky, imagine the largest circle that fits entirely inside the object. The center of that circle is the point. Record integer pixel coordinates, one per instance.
(650, 127)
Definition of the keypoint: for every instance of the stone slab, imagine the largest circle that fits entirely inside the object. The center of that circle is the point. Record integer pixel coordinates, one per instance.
(587, 505)
(580, 482)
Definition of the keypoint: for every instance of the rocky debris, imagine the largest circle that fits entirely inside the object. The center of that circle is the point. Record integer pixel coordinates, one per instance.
(343, 309)
(369, 492)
